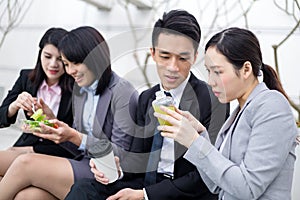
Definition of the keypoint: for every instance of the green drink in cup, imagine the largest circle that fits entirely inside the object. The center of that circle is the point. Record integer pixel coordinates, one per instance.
(162, 100)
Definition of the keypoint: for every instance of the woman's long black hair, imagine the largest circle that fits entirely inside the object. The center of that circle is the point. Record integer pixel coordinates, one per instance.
(52, 36)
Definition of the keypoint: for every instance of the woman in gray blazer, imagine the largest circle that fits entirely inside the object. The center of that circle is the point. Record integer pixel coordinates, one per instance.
(103, 104)
(254, 154)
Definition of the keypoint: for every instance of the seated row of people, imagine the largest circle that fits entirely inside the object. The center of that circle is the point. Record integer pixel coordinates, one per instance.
(75, 86)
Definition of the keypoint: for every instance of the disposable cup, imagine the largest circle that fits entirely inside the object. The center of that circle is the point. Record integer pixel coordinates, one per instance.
(103, 156)
(162, 100)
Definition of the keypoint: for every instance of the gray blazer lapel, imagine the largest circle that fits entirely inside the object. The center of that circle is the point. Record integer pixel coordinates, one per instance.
(227, 145)
(229, 127)
(225, 128)
(103, 106)
(101, 110)
(78, 114)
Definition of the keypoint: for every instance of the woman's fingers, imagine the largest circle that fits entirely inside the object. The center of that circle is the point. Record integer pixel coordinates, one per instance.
(57, 122)
(168, 135)
(172, 113)
(171, 116)
(183, 127)
(49, 133)
(99, 176)
(92, 164)
(45, 136)
(25, 105)
(181, 112)
(187, 115)
(167, 118)
(167, 129)
(25, 101)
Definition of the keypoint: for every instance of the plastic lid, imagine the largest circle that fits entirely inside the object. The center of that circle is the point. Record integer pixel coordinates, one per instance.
(101, 148)
(160, 94)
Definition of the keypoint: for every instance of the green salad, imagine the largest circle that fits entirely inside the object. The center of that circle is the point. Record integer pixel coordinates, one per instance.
(38, 117)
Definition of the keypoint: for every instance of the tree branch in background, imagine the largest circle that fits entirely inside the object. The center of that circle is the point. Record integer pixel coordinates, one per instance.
(296, 8)
(13, 12)
(141, 67)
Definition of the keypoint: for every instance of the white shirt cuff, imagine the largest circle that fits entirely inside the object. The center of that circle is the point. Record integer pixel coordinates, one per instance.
(121, 174)
(145, 194)
(83, 142)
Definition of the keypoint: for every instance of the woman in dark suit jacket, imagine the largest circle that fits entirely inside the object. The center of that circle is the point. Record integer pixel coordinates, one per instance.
(48, 73)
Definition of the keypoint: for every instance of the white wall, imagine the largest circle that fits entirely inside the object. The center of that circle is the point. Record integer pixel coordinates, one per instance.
(20, 47)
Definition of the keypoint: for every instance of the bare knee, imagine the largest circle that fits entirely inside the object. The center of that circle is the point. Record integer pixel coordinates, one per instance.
(23, 195)
(24, 161)
(33, 193)
(7, 157)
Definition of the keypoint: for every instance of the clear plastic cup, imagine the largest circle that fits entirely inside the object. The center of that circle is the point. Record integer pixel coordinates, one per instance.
(162, 100)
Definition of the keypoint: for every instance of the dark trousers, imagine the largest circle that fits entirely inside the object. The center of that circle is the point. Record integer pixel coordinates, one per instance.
(88, 189)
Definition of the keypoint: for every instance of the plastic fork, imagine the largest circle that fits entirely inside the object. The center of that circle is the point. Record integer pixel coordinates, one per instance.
(33, 109)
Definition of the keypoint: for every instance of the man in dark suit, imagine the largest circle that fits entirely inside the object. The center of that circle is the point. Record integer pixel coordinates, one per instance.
(175, 41)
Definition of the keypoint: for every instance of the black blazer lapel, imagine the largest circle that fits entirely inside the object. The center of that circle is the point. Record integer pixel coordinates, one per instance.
(152, 124)
(65, 108)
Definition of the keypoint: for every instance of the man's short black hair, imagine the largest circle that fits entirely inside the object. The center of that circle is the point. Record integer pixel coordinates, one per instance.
(178, 22)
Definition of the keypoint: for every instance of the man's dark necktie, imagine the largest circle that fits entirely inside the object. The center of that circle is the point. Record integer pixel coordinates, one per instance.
(150, 177)
(168, 94)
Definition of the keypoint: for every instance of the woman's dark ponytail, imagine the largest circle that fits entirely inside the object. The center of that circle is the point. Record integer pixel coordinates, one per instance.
(271, 79)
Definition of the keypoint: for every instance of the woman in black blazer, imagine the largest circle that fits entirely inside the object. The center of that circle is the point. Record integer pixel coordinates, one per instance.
(30, 89)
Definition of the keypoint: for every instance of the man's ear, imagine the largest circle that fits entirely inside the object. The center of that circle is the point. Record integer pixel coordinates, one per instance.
(195, 57)
(246, 70)
(152, 51)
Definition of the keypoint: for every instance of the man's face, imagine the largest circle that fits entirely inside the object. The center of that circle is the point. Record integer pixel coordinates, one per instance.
(174, 55)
